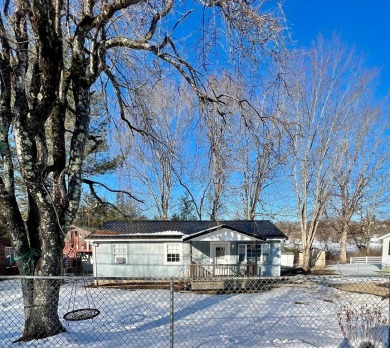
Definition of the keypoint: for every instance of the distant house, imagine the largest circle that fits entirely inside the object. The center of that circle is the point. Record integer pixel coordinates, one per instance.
(187, 249)
(77, 251)
(5, 255)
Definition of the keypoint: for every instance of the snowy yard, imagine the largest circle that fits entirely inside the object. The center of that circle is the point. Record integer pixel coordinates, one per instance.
(288, 315)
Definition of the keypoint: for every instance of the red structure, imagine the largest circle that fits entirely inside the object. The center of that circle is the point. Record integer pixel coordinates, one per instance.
(77, 251)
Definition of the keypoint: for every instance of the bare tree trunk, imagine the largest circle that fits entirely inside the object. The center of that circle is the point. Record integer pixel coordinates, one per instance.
(306, 247)
(343, 243)
(41, 298)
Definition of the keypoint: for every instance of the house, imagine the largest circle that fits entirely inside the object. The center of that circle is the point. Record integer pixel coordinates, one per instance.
(77, 251)
(5, 255)
(187, 249)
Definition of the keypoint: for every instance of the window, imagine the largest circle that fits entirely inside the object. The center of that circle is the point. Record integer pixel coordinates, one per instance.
(389, 248)
(251, 253)
(241, 252)
(173, 253)
(247, 253)
(265, 251)
(120, 253)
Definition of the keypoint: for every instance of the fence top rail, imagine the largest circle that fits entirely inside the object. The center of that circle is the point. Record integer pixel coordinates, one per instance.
(366, 257)
(299, 277)
(45, 277)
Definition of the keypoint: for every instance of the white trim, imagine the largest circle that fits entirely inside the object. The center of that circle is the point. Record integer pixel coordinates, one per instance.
(180, 252)
(213, 245)
(224, 235)
(385, 236)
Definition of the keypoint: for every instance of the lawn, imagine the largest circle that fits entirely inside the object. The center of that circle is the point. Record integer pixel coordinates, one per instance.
(301, 314)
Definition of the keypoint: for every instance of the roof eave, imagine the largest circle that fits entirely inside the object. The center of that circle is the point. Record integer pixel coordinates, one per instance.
(209, 230)
(135, 237)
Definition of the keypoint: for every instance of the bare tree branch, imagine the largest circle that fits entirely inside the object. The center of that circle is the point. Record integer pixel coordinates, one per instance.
(92, 183)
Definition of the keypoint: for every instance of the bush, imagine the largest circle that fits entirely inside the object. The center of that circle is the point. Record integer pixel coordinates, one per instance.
(365, 325)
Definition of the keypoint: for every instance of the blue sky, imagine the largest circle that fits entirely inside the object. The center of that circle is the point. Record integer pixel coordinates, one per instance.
(363, 24)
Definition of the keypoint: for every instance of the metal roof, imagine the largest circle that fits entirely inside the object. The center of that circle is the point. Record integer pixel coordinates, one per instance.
(263, 229)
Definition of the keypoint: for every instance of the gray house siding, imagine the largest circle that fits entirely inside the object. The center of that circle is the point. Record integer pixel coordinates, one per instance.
(272, 268)
(148, 259)
(201, 252)
(142, 259)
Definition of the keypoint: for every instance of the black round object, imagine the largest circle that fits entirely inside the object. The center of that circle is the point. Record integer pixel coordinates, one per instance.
(81, 314)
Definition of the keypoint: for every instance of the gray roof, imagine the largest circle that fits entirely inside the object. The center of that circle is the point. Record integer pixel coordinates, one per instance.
(262, 229)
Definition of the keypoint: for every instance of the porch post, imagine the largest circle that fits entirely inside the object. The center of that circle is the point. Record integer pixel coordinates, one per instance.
(191, 261)
(256, 257)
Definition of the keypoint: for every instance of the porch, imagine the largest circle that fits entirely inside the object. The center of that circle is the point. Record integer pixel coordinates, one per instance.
(236, 258)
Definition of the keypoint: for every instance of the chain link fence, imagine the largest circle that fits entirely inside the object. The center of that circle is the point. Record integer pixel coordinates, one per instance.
(300, 311)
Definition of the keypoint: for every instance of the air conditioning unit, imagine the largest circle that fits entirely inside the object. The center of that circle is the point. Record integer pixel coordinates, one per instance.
(120, 259)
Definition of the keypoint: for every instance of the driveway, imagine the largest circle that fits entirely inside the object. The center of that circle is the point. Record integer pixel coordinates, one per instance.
(361, 269)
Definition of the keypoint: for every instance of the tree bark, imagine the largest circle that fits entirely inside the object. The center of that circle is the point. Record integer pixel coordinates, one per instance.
(306, 257)
(343, 243)
(41, 295)
(41, 298)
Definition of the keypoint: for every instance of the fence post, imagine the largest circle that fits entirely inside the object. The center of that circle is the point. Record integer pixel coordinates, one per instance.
(388, 318)
(172, 313)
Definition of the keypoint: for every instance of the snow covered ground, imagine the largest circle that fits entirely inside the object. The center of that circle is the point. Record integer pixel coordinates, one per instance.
(288, 315)
(334, 248)
(356, 269)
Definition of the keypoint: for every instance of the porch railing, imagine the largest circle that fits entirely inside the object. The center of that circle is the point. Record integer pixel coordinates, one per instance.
(212, 270)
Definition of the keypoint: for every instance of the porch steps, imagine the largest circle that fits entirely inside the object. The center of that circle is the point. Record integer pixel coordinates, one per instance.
(207, 285)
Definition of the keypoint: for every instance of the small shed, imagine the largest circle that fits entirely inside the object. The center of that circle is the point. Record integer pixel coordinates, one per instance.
(385, 249)
(317, 258)
(287, 259)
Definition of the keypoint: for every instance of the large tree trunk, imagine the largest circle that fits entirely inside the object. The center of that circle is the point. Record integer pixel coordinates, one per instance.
(306, 257)
(41, 298)
(41, 295)
(343, 243)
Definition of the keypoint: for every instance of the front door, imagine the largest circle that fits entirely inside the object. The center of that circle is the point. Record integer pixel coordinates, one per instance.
(220, 255)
